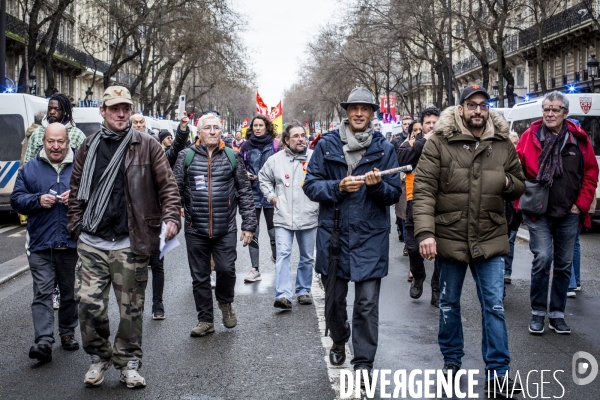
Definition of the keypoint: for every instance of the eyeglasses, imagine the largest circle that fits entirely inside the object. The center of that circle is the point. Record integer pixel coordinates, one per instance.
(473, 106)
(553, 110)
(209, 128)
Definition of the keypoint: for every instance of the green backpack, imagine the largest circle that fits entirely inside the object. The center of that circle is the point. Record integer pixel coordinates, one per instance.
(189, 156)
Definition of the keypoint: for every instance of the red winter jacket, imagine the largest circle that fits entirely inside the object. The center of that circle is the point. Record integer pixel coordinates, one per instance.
(529, 149)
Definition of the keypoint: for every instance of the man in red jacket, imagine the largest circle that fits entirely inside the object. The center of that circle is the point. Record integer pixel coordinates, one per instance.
(559, 154)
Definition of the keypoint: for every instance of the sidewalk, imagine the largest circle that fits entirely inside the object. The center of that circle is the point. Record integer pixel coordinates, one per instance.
(13, 268)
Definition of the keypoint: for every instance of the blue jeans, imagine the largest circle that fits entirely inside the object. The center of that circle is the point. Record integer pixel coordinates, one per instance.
(551, 239)
(576, 264)
(283, 277)
(508, 260)
(489, 279)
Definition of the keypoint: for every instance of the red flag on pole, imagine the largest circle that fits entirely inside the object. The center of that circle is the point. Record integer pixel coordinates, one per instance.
(261, 107)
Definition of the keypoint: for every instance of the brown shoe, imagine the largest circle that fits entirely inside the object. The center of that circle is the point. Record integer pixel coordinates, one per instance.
(69, 343)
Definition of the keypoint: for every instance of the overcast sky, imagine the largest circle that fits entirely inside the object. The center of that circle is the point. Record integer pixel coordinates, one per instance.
(276, 35)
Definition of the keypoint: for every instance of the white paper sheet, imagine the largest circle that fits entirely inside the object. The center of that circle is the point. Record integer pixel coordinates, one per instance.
(166, 245)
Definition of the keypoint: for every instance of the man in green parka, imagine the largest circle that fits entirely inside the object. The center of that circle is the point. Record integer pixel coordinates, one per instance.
(466, 170)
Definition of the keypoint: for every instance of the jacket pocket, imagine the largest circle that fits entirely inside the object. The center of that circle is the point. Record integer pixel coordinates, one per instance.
(497, 218)
(448, 218)
(153, 221)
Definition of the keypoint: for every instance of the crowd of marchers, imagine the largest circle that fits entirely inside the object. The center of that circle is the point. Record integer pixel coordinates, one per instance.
(97, 205)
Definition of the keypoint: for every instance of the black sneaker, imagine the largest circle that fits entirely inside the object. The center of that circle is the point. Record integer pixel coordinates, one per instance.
(502, 387)
(158, 315)
(536, 326)
(416, 288)
(435, 298)
(283, 303)
(559, 325)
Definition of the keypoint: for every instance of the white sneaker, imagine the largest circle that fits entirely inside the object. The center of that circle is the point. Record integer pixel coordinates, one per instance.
(571, 293)
(130, 376)
(55, 300)
(253, 276)
(213, 283)
(578, 288)
(95, 374)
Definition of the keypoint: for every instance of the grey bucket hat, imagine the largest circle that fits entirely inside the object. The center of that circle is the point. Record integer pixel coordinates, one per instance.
(360, 95)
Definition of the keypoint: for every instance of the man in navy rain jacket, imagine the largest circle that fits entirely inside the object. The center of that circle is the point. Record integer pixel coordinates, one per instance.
(42, 192)
(364, 222)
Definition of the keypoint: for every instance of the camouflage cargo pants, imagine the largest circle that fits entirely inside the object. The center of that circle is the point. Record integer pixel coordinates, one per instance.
(128, 274)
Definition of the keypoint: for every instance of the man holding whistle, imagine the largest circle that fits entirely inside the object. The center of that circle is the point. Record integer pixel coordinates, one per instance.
(364, 224)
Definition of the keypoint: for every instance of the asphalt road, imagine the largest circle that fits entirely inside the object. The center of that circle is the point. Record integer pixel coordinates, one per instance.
(282, 355)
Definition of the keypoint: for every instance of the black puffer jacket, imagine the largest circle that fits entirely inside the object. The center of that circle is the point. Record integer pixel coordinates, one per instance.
(211, 192)
(180, 143)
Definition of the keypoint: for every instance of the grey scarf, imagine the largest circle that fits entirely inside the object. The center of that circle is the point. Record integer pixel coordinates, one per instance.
(355, 145)
(98, 199)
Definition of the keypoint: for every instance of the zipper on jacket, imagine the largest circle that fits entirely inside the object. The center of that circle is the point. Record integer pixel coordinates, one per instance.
(210, 219)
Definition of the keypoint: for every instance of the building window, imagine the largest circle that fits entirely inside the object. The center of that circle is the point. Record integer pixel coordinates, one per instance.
(520, 81)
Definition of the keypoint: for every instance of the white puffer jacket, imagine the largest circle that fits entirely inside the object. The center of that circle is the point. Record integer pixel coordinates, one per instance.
(283, 176)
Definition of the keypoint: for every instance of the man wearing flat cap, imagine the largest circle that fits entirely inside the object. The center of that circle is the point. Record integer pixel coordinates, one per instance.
(122, 192)
(364, 224)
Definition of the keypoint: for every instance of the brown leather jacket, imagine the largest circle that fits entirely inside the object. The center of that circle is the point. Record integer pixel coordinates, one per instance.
(150, 189)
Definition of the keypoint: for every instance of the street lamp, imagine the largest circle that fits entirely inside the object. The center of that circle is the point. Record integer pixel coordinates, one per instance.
(592, 67)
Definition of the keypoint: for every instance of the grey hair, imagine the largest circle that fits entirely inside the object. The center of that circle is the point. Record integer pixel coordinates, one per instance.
(513, 134)
(556, 95)
(206, 116)
(39, 116)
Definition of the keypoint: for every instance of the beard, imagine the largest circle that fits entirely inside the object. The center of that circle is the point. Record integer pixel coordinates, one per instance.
(476, 125)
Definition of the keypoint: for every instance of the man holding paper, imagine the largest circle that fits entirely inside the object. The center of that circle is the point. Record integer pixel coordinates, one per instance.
(122, 190)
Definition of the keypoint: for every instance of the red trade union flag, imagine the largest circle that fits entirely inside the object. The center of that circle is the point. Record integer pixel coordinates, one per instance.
(275, 112)
(261, 107)
(586, 104)
(245, 124)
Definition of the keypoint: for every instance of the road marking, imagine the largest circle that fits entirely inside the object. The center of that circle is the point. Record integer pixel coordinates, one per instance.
(9, 228)
(19, 234)
(318, 295)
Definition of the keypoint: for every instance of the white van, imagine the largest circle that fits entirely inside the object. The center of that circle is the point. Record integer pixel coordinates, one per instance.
(583, 107)
(88, 119)
(17, 111)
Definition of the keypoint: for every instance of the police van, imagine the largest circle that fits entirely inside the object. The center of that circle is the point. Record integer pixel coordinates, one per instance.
(17, 113)
(583, 107)
(87, 119)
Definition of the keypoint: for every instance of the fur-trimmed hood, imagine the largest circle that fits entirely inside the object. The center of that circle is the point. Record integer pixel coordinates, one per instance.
(450, 124)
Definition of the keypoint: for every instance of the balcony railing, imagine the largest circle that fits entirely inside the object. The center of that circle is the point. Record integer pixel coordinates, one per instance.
(19, 27)
(562, 21)
(511, 45)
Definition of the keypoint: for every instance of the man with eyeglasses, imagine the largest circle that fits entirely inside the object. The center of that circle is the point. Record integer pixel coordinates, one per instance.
(467, 167)
(557, 153)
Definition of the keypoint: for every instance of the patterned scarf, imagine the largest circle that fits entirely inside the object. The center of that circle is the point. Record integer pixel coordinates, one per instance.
(550, 160)
(355, 144)
(98, 199)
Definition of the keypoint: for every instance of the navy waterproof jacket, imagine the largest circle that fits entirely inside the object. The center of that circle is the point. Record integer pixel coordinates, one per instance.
(47, 227)
(364, 215)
